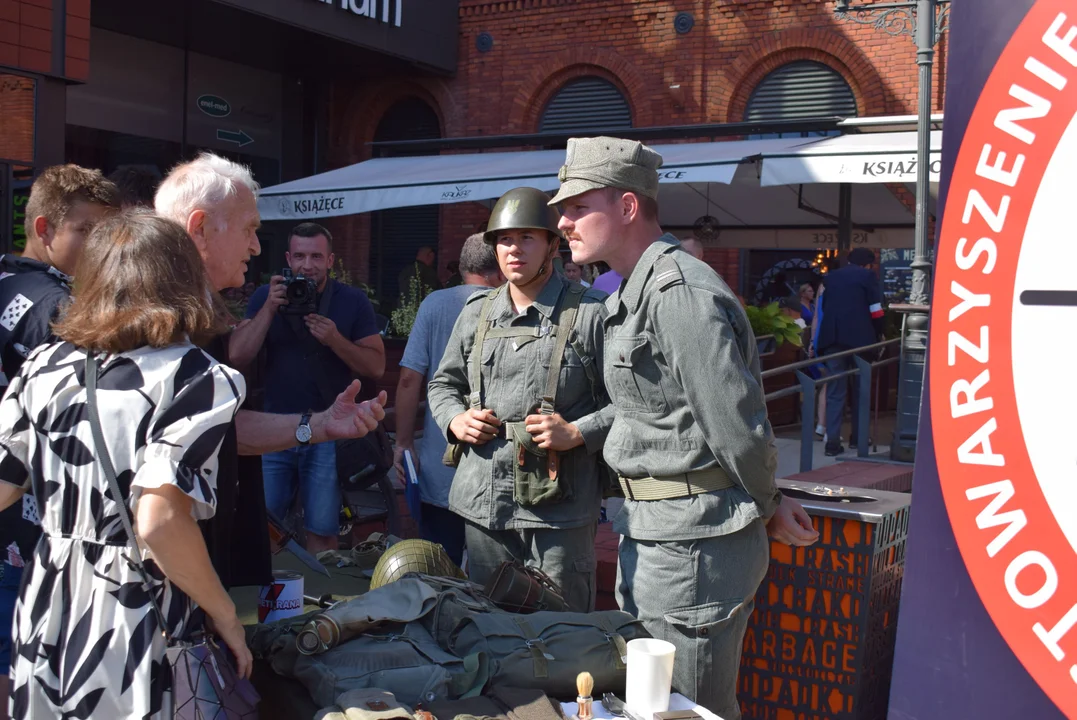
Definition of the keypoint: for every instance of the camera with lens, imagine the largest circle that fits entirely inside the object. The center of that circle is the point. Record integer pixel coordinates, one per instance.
(301, 292)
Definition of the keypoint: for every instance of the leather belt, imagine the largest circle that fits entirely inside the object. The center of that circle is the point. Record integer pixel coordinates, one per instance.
(676, 486)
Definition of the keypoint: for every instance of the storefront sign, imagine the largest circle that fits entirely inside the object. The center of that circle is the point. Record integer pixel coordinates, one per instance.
(998, 451)
(323, 206)
(369, 8)
(214, 106)
(20, 195)
(419, 31)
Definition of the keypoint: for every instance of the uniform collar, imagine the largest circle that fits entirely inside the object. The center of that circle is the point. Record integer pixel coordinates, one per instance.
(545, 303)
(15, 264)
(633, 287)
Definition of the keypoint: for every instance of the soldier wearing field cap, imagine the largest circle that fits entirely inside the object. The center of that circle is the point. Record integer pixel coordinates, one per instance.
(691, 442)
(520, 398)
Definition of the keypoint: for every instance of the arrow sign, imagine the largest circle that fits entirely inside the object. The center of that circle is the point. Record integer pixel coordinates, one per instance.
(238, 137)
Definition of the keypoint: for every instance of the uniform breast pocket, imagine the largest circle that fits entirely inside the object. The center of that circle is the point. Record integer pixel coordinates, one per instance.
(633, 377)
(572, 381)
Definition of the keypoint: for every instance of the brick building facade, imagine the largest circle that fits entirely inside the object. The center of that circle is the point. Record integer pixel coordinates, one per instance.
(43, 47)
(539, 45)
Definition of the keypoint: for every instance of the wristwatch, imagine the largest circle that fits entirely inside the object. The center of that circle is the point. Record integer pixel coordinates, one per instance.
(303, 432)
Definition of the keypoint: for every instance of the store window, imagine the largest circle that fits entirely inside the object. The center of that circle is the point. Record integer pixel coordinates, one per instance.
(399, 233)
(587, 103)
(801, 90)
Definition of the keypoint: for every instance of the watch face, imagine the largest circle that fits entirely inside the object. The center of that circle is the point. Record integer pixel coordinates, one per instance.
(302, 433)
(1004, 314)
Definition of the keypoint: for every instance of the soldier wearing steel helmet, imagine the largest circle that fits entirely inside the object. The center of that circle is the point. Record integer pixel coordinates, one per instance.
(519, 395)
(691, 442)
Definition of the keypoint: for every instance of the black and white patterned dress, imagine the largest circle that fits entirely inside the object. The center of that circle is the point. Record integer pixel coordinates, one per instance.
(86, 640)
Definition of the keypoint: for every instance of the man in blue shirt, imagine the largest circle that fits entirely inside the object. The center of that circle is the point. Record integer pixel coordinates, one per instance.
(850, 316)
(426, 344)
(303, 354)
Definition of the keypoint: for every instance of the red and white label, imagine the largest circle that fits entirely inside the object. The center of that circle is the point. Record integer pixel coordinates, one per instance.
(1003, 350)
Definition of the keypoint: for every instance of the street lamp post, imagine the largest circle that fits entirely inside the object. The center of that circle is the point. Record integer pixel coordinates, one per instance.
(926, 20)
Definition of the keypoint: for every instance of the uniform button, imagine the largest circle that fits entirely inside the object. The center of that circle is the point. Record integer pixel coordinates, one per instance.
(431, 697)
(704, 632)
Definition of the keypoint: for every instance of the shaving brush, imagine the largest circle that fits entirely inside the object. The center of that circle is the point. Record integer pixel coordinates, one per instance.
(584, 685)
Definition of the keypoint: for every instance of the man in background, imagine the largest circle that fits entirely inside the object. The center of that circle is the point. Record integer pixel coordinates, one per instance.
(65, 202)
(575, 273)
(693, 246)
(426, 344)
(310, 357)
(850, 315)
(424, 270)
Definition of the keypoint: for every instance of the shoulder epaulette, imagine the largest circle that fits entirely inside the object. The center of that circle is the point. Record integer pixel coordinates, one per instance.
(667, 273)
(474, 297)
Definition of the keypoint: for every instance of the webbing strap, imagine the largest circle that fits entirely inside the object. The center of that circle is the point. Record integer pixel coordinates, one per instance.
(540, 654)
(620, 647)
(519, 331)
(566, 320)
(476, 352)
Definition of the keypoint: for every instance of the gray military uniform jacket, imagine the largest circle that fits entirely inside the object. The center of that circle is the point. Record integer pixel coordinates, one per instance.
(682, 370)
(514, 374)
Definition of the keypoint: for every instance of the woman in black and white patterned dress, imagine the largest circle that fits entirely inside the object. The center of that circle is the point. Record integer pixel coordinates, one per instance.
(87, 643)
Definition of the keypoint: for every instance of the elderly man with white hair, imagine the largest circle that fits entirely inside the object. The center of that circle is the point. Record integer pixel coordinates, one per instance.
(215, 200)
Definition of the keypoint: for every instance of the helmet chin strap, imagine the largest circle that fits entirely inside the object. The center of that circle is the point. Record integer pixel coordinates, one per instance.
(538, 275)
(541, 272)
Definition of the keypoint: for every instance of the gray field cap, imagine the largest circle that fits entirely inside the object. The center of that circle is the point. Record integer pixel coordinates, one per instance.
(601, 162)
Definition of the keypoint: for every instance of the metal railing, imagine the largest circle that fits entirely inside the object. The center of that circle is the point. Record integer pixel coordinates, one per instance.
(808, 385)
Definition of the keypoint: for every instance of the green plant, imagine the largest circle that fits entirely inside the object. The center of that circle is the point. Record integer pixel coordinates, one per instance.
(404, 316)
(340, 273)
(770, 320)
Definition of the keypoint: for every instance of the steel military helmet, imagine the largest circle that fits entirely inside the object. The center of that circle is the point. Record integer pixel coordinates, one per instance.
(413, 556)
(522, 208)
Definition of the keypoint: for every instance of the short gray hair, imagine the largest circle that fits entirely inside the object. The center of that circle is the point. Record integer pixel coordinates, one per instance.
(478, 257)
(201, 184)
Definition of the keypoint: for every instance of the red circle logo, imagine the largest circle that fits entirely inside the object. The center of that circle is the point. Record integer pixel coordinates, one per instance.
(1004, 315)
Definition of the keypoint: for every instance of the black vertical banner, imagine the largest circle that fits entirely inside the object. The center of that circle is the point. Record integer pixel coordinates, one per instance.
(988, 621)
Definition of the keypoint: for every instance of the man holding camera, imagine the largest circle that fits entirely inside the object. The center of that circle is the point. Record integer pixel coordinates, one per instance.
(318, 334)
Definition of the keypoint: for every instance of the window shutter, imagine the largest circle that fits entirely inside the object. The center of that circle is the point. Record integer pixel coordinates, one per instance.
(802, 89)
(588, 103)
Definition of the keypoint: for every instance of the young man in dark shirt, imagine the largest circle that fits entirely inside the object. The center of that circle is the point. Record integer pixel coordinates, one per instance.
(310, 357)
(66, 201)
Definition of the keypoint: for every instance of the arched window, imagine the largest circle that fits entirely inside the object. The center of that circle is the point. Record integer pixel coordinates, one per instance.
(398, 233)
(802, 89)
(586, 103)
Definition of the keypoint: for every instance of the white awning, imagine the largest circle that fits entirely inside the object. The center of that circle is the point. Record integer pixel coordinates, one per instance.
(866, 158)
(439, 179)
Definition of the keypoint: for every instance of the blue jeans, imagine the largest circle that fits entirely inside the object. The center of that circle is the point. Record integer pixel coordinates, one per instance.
(312, 471)
(10, 578)
(835, 398)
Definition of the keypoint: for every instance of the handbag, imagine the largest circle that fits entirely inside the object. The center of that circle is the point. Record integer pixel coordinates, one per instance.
(204, 679)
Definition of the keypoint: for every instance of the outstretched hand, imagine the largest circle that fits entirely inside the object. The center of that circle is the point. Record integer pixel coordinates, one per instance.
(346, 418)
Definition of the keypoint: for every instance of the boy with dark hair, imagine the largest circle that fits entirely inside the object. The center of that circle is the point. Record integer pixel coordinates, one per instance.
(65, 203)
